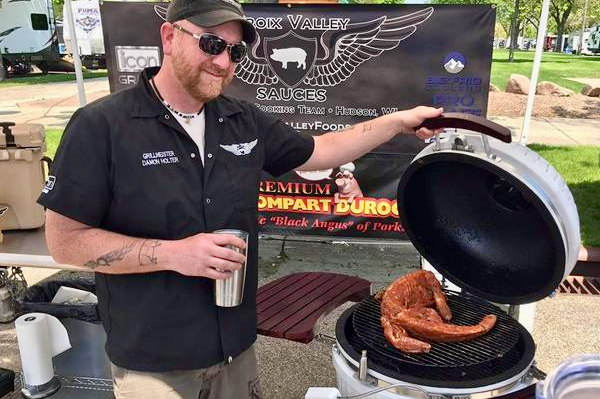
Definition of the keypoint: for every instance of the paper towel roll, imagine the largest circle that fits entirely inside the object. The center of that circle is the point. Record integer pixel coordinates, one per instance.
(41, 337)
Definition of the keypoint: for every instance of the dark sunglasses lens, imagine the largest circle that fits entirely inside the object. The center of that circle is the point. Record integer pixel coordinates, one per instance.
(237, 52)
(212, 45)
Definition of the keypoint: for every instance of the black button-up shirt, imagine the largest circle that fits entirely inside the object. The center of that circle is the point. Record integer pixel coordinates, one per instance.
(125, 165)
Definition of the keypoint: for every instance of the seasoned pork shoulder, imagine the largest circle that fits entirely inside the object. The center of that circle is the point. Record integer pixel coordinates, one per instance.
(414, 310)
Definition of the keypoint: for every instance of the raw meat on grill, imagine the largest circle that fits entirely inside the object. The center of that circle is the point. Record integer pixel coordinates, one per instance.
(408, 316)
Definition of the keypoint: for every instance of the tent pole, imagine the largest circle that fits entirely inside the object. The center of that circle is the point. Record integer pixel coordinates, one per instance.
(539, 48)
(75, 48)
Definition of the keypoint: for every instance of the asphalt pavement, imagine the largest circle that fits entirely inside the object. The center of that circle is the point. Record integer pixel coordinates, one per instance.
(563, 326)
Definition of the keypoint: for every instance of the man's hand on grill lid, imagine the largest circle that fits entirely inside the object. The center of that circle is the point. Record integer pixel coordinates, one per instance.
(412, 118)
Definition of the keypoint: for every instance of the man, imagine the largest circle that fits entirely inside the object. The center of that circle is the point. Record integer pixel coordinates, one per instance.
(142, 178)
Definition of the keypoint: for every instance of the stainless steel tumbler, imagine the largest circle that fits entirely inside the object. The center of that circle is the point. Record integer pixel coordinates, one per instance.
(229, 292)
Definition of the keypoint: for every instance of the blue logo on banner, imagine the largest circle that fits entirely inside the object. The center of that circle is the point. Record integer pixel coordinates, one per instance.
(455, 62)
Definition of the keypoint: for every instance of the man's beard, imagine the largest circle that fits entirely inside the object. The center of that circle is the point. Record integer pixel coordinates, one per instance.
(198, 86)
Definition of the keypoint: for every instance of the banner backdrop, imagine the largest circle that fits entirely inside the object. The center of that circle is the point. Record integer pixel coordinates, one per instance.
(322, 68)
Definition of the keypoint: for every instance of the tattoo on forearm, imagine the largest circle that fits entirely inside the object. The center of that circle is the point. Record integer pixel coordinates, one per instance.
(146, 255)
(111, 257)
(366, 127)
(346, 129)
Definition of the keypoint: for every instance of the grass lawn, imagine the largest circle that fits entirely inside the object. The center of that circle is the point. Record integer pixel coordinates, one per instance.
(579, 166)
(555, 68)
(52, 139)
(50, 77)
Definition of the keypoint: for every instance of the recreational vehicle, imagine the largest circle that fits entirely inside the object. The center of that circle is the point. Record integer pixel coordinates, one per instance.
(593, 41)
(572, 42)
(28, 35)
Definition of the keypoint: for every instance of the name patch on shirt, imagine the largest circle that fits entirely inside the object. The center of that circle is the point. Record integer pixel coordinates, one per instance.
(159, 158)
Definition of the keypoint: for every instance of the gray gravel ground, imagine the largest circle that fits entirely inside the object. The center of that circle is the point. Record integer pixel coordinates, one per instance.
(564, 325)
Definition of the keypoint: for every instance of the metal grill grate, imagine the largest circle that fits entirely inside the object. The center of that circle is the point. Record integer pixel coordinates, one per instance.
(465, 311)
(495, 371)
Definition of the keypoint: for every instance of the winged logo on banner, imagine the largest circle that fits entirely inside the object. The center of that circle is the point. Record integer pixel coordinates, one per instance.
(161, 12)
(88, 23)
(356, 44)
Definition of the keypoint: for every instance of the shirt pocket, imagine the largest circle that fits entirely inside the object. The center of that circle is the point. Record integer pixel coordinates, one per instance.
(244, 178)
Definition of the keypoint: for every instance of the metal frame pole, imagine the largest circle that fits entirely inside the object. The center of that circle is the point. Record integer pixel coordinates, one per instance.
(536, 71)
(2, 70)
(75, 48)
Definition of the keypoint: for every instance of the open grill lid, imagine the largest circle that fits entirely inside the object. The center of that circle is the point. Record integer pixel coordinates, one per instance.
(478, 222)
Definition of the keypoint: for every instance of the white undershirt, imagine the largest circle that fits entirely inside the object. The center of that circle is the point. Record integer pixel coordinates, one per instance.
(195, 127)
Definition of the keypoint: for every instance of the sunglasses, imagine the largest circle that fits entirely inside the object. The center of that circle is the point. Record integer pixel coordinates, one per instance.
(215, 45)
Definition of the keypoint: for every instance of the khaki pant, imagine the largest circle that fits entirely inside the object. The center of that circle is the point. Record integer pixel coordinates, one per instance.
(236, 380)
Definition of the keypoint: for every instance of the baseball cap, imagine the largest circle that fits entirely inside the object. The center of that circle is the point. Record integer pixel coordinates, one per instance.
(209, 13)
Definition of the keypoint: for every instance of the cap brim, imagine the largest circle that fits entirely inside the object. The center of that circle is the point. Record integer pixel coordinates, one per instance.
(218, 17)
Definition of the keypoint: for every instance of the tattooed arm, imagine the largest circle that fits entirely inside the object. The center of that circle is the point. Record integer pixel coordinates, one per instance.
(147, 254)
(74, 243)
(337, 148)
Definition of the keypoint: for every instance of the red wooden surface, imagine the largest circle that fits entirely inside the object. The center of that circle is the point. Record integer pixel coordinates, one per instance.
(588, 262)
(585, 276)
(291, 307)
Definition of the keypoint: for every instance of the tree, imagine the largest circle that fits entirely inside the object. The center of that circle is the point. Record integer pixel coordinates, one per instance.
(465, 1)
(531, 11)
(371, 1)
(560, 10)
(513, 15)
(503, 9)
(576, 18)
(514, 31)
(57, 5)
(594, 13)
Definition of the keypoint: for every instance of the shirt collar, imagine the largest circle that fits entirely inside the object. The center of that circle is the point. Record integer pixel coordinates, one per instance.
(148, 105)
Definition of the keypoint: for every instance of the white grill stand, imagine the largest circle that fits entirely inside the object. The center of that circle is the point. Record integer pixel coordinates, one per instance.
(526, 315)
(322, 393)
(351, 387)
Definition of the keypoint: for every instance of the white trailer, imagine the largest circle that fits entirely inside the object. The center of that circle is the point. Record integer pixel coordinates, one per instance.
(593, 41)
(572, 43)
(28, 34)
(88, 28)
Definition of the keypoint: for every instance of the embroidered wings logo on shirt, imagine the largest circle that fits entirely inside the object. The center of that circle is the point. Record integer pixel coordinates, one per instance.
(240, 149)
